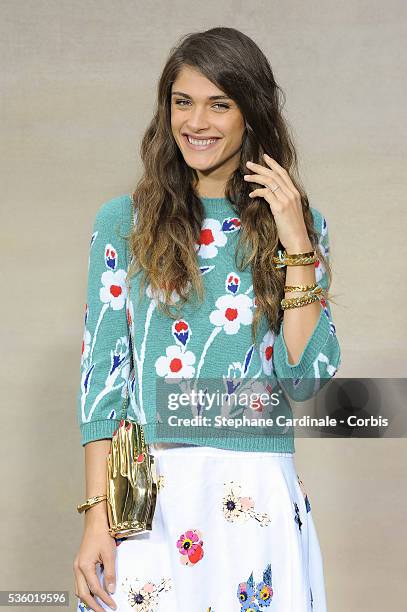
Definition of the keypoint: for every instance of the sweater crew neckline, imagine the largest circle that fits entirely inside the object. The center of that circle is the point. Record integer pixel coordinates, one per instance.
(220, 204)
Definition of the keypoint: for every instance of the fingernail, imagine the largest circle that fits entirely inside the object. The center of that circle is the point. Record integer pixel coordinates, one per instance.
(110, 588)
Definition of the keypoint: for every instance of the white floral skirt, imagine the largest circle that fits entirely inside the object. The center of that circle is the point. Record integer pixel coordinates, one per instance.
(232, 530)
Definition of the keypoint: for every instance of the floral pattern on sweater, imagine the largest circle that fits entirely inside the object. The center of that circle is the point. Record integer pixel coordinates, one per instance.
(213, 342)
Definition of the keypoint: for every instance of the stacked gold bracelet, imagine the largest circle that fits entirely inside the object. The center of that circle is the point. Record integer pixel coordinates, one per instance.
(297, 259)
(289, 288)
(313, 291)
(311, 296)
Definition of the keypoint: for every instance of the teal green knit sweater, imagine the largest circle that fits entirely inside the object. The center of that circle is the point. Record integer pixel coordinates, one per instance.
(240, 387)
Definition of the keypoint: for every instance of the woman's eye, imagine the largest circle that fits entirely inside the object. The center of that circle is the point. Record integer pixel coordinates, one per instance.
(186, 102)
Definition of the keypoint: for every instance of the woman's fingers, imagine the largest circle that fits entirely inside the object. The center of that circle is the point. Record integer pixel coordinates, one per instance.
(85, 596)
(109, 571)
(93, 585)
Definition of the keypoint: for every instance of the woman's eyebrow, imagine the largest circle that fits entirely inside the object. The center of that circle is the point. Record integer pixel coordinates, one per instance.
(185, 95)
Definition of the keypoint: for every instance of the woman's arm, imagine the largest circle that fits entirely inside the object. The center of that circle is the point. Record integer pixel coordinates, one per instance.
(306, 351)
(299, 323)
(97, 545)
(105, 369)
(95, 476)
(105, 363)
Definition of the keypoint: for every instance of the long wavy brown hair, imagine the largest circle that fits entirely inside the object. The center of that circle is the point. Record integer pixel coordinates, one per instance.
(169, 211)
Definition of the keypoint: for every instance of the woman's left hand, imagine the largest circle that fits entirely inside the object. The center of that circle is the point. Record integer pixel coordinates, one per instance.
(285, 204)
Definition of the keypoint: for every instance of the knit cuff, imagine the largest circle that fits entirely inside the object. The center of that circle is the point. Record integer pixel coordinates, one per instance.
(316, 341)
(98, 430)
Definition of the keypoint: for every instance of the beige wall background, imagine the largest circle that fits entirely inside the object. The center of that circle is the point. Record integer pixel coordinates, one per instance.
(78, 85)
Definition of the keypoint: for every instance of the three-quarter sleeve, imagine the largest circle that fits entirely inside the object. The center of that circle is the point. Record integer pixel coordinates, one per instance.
(321, 356)
(105, 359)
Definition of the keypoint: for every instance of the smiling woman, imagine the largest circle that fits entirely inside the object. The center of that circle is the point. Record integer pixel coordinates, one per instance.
(199, 144)
(233, 528)
(208, 133)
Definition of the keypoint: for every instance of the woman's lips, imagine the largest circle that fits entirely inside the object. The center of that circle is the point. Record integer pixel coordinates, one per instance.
(195, 147)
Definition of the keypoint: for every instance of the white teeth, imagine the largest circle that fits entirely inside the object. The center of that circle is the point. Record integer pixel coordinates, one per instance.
(203, 143)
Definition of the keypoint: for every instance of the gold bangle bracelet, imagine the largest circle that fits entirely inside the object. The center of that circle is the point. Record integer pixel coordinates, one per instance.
(317, 290)
(300, 287)
(307, 254)
(300, 261)
(91, 501)
(296, 302)
(297, 259)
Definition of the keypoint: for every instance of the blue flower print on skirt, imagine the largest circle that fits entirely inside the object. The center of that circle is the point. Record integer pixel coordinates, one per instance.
(255, 597)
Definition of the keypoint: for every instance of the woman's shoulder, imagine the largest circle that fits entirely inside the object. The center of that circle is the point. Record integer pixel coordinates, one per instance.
(115, 209)
(112, 224)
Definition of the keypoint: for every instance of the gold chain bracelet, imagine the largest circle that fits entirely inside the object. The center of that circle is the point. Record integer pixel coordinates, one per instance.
(288, 288)
(91, 501)
(295, 259)
(301, 300)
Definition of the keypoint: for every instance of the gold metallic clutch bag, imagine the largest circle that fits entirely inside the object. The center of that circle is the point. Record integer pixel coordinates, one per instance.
(131, 482)
(131, 479)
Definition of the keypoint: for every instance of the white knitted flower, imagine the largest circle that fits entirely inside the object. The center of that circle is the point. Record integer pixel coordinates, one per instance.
(176, 364)
(211, 237)
(114, 288)
(232, 311)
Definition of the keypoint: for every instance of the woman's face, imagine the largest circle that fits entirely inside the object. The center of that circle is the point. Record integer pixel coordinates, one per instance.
(202, 112)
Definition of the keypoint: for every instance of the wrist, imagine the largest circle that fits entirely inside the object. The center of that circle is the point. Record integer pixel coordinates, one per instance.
(302, 245)
(97, 513)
